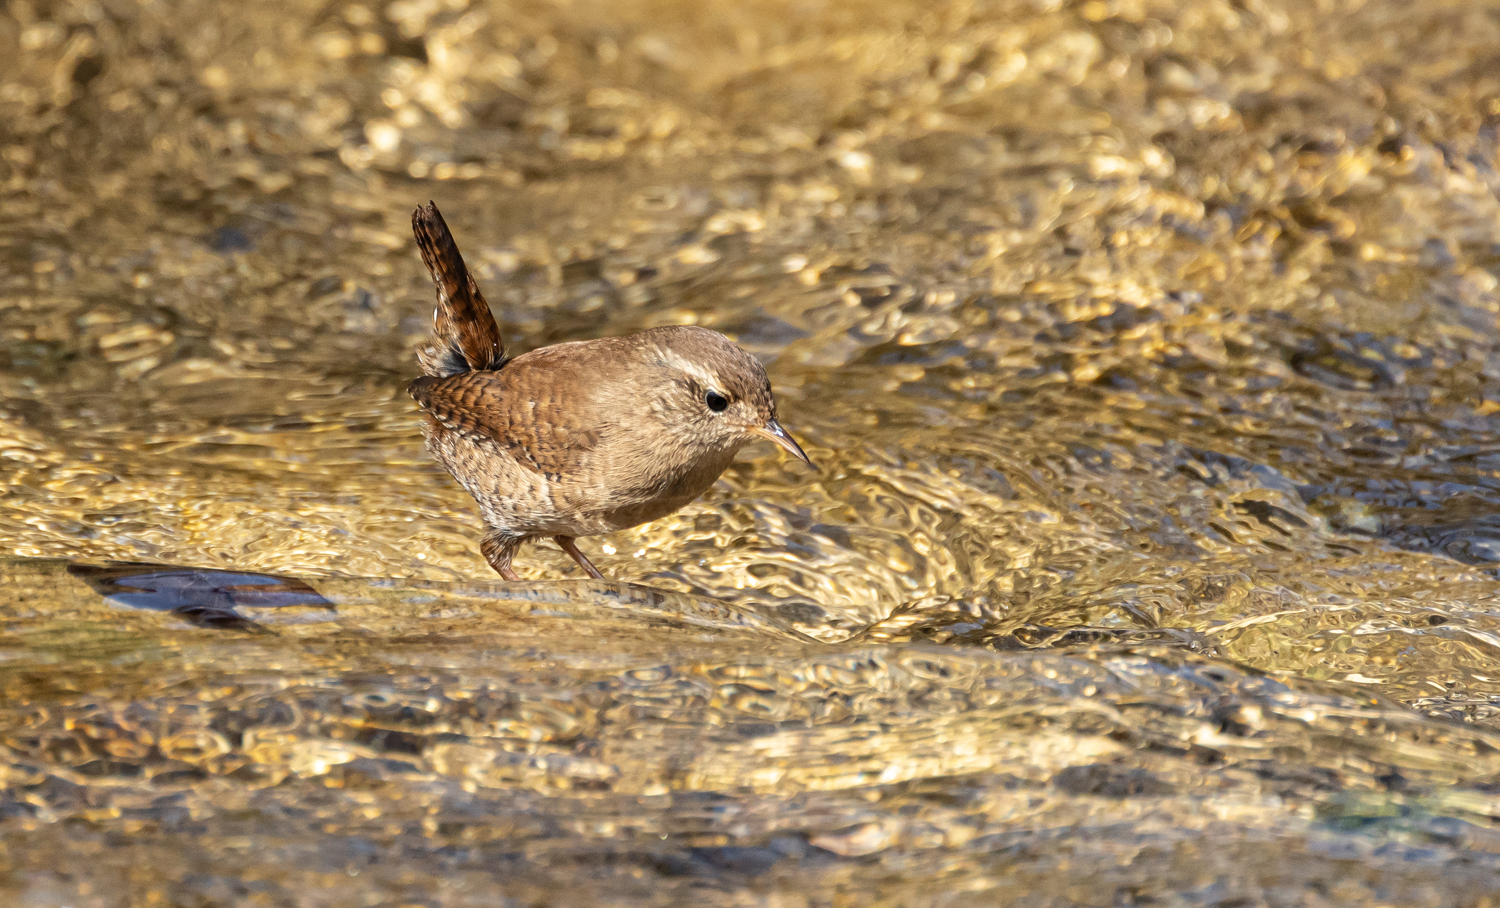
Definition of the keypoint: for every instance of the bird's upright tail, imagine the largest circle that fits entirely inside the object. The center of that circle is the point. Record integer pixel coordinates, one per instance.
(465, 337)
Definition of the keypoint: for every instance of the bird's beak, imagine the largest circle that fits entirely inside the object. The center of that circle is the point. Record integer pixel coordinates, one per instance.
(774, 432)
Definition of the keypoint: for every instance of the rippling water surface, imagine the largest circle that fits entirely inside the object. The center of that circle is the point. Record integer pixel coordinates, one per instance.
(1148, 350)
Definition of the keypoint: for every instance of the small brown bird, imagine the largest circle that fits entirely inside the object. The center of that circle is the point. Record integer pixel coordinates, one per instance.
(579, 438)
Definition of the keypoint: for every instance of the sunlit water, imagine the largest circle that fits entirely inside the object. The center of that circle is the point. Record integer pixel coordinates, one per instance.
(1148, 352)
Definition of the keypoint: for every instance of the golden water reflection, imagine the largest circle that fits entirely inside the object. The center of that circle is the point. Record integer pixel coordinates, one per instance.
(1148, 350)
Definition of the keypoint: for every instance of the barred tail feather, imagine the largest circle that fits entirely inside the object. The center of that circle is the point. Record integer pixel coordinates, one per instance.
(465, 337)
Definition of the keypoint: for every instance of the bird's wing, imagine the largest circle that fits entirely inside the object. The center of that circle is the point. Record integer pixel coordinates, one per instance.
(519, 410)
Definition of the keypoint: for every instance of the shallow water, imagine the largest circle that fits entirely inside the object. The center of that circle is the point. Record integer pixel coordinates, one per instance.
(1148, 352)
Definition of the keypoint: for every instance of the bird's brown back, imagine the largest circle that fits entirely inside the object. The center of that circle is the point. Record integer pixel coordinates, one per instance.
(539, 407)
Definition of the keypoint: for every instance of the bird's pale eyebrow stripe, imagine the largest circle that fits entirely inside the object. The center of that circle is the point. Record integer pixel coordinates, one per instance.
(671, 359)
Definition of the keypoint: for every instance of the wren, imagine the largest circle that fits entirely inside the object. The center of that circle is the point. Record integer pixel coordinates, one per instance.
(580, 438)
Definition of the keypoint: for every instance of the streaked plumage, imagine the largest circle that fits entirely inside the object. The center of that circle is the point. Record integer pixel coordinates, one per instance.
(581, 438)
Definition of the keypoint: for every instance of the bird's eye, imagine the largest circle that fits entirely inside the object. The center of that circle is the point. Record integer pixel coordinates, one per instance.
(716, 401)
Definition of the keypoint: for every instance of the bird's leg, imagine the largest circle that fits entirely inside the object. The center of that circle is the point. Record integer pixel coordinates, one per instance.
(571, 547)
(498, 549)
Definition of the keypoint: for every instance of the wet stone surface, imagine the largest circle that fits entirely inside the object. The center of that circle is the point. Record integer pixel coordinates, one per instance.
(1149, 352)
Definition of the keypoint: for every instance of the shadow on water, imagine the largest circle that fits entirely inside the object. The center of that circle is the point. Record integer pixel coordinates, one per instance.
(207, 598)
